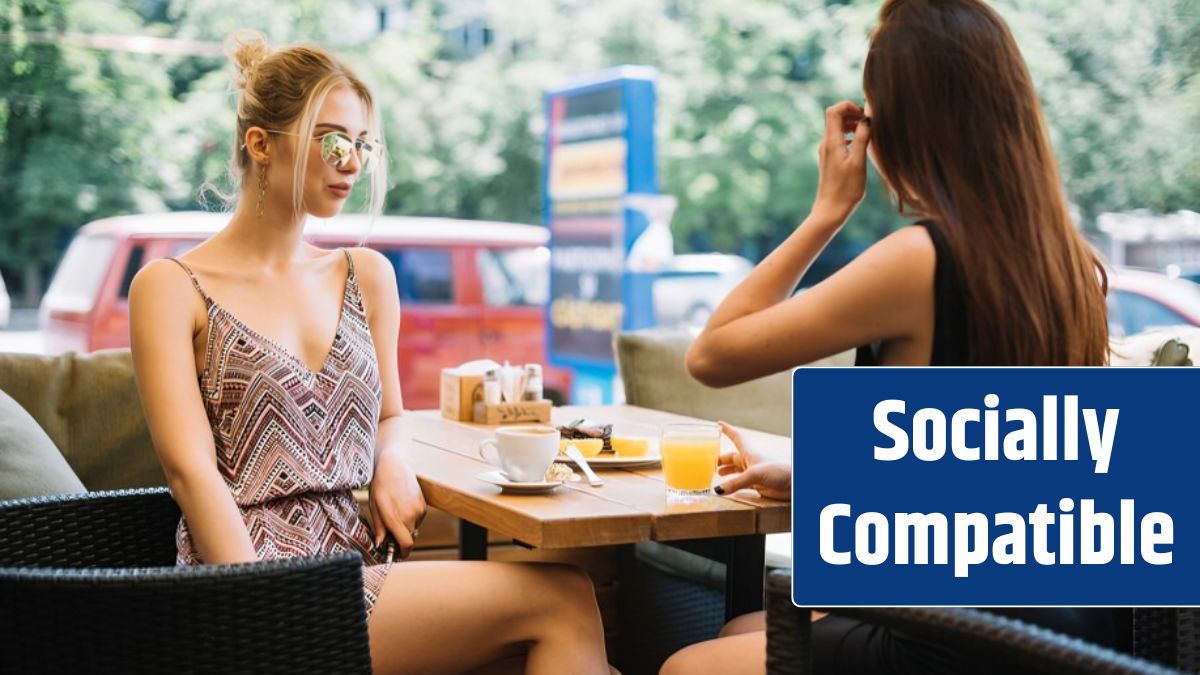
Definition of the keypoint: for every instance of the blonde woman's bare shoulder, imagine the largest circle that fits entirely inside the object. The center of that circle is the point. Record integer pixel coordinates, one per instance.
(163, 289)
(376, 276)
(161, 277)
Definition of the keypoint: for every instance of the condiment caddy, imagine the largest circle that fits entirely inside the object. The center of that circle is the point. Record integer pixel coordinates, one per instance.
(486, 392)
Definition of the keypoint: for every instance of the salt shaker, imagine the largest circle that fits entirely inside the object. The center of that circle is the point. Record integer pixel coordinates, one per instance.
(533, 382)
(491, 387)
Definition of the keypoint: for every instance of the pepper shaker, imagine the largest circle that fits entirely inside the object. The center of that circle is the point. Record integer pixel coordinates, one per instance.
(533, 382)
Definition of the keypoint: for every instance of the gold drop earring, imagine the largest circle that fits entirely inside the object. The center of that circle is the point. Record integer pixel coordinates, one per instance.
(262, 190)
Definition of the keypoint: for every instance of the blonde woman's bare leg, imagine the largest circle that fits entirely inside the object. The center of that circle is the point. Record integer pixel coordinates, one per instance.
(451, 617)
(741, 654)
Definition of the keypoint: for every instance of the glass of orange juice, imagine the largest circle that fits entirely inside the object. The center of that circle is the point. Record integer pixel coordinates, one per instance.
(689, 459)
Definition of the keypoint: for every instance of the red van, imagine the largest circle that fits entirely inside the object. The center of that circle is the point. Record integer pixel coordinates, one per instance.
(468, 289)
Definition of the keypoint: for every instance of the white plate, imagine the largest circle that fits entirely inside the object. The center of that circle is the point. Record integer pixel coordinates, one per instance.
(608, 461)
(500, 479)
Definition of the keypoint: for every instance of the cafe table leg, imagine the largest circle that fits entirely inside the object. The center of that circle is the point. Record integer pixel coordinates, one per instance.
(472, 541)
(744, 574)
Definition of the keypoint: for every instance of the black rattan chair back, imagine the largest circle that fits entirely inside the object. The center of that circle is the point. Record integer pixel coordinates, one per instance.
(81, 591)
(122, 528)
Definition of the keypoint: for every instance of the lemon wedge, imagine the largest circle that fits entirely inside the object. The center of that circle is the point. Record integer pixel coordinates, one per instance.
(588, 447)
(630, 447)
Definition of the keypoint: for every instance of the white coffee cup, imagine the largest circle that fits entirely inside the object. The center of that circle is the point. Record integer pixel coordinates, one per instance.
(524, 452)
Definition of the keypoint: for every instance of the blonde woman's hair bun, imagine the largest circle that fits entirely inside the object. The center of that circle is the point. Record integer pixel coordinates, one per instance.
(284, 88)
(247, 48)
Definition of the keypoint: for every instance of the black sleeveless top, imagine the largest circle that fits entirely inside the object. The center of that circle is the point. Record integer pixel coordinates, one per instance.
(950, 313)
(843, 646)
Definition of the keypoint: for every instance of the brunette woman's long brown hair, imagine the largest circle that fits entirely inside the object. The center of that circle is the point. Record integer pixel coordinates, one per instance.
(958, 136)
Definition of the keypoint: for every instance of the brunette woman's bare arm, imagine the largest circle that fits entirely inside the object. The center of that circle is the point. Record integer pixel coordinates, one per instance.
(162, 325)
(885, 294)
(759, 329)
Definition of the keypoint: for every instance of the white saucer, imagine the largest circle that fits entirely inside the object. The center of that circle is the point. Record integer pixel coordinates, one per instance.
(499, 478)
(607, 461)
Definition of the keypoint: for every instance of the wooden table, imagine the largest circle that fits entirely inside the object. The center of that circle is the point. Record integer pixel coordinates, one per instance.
(630, 507)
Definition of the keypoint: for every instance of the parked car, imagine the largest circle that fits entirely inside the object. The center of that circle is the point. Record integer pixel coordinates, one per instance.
(1139, 300)
(5, 303)
(691, 286)
(468, 289)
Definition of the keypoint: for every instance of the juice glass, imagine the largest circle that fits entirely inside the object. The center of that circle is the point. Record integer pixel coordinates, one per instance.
(689, 459)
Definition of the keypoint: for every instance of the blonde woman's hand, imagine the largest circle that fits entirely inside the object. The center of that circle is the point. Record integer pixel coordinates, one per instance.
(396, 503)
(842, 163)
(771, 479)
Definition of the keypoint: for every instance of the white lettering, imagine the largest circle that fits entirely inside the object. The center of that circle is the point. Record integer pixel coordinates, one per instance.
(1157, 528)
(923, 448)
(1101, 444)
(828, 553)
(885, 427)
(1018, 442)
(970, 541)
(958, 434)
(925, 538)
(921, 524)
(1089, 522)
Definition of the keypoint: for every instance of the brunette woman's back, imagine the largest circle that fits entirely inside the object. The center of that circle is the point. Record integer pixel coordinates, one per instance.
(995, 274)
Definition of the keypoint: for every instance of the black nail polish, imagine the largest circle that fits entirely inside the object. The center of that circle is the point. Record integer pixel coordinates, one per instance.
(719, 490)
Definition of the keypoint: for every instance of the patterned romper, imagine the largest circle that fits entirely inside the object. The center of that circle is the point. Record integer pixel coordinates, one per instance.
(292, 443)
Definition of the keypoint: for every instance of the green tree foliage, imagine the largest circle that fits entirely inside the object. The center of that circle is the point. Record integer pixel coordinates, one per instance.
(77, 129)
(1117, 85)
(88, 132)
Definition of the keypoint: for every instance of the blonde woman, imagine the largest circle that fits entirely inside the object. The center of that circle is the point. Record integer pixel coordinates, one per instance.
(267, 369)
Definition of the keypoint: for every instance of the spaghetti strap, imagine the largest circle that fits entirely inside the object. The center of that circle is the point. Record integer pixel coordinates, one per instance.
(351, 277)
(353, 293)
(195, 281)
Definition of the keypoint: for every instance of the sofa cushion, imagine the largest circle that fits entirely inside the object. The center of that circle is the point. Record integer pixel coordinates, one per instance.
(89, 407)
(30, 464)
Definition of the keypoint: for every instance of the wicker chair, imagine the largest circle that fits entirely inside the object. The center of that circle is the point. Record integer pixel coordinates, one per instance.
(88, 584)
(1161, 636)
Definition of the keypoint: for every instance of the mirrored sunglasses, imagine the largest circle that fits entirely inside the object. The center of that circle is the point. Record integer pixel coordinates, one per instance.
(336, 148)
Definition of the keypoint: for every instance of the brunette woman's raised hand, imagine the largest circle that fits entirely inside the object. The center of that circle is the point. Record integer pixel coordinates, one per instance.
(842, 162)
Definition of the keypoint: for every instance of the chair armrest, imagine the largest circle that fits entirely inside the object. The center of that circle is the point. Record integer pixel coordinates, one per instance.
(1025, 646)
(789, 628)
(120, 528)
(287, 616)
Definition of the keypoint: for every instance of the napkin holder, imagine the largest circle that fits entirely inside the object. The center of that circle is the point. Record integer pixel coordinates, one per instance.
(459, 391)
(520, 412)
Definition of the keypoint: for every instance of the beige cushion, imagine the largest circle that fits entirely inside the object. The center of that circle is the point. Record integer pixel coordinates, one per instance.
(653, 371)
(30, 465)
(89, 407)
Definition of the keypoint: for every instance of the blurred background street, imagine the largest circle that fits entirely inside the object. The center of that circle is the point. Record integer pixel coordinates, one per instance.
(123, 107)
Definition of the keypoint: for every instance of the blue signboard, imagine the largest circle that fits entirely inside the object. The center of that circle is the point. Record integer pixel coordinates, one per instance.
(995, 487)
(599, 150)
